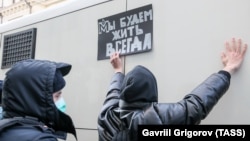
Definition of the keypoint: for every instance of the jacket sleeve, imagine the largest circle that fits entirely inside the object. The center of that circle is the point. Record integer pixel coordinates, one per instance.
(108, 119)
(195, 106)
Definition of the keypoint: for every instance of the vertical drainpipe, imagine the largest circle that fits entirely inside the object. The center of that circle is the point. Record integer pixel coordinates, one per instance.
(29, 5)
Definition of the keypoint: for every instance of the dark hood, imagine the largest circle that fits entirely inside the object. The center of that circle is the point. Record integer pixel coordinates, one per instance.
(28, 89)
(139, 85)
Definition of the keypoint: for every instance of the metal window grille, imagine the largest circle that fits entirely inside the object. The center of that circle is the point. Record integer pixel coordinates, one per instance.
(18, 46)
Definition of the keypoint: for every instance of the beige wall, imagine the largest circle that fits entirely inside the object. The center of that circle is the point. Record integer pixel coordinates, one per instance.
(188, 39)
(14, 9)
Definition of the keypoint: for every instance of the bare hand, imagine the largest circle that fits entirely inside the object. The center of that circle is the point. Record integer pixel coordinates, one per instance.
(116, 62)
(233, 55)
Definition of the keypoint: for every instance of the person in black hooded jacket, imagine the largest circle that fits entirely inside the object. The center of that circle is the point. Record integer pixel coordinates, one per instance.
(132, 99)
(30, 113)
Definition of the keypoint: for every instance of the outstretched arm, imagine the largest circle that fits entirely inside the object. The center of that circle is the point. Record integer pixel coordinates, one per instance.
(108, 117)
(197, 105)
(113, 94)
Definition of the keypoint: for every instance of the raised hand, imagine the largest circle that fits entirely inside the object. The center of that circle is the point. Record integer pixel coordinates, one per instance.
(233, 55)
(116, 62)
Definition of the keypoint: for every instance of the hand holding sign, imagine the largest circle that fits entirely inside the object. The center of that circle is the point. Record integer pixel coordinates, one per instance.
(116, 62)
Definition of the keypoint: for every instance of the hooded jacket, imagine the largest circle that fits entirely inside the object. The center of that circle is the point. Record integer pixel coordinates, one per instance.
(132, 100)
(29, 112)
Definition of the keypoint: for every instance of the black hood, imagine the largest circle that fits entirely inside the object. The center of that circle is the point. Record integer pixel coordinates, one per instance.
(28, 89)
(139, 85)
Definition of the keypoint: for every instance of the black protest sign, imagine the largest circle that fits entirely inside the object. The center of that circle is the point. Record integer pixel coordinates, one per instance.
(129, 32)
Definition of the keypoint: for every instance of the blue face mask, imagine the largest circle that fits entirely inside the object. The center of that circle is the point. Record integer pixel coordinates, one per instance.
(60, 104)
